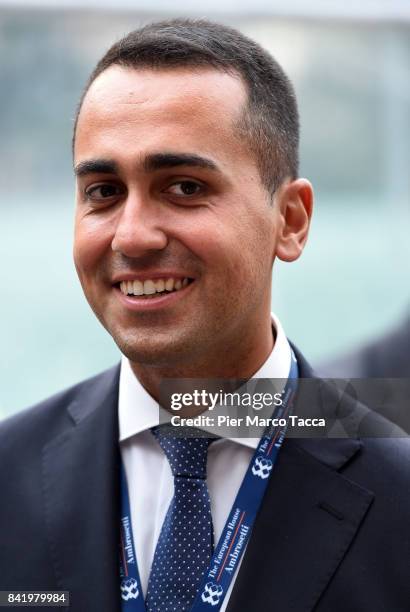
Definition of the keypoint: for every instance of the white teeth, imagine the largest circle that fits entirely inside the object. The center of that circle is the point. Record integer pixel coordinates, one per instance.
(160, 285)
(169, 284)
(150, 287)
(138, 287)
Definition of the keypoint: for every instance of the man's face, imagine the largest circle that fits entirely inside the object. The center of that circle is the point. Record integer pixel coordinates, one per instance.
(166, 190)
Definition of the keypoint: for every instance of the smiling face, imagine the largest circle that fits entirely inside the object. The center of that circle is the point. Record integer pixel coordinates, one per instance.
(166, 190)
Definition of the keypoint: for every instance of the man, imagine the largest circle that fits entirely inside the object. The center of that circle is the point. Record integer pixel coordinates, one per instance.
(185, 152)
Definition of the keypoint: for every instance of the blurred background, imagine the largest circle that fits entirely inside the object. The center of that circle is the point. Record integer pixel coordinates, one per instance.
(350, 64)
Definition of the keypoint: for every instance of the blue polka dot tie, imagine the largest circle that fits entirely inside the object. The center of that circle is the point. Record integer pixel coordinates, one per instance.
(185, 544)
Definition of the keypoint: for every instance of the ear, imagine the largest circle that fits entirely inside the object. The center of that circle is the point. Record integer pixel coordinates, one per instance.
(295, 203)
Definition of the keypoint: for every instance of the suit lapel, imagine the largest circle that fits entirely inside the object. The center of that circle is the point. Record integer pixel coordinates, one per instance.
(307, 521)
(80, 476)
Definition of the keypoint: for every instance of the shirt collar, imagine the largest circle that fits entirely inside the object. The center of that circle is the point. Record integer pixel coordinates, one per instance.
(138, 411)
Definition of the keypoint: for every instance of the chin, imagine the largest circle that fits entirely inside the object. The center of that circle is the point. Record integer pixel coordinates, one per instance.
(155, 351)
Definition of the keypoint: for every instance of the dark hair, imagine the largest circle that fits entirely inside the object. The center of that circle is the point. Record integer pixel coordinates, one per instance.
(269, 122)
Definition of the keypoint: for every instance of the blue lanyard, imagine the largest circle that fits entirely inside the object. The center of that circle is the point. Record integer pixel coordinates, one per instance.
(130, 583)
(238, 527)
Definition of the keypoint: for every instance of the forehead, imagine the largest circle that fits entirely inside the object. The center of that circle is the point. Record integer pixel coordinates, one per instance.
(180, 107)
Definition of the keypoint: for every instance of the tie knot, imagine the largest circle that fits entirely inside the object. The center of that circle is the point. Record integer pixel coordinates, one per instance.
(186, 452)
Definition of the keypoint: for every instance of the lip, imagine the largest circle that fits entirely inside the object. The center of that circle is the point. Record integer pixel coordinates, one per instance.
(164, 300)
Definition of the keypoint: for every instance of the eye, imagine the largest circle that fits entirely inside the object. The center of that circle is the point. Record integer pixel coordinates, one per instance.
(103, 191)
(185, 188)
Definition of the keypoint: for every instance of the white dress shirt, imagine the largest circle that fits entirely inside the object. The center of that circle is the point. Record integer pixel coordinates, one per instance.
(149, 477)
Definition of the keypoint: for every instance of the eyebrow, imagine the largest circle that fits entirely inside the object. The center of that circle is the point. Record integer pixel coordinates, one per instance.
(152, 162)
(158, 161)
(100, 166)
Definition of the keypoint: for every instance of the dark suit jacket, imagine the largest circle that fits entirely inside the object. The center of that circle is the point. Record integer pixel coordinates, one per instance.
(332, 534)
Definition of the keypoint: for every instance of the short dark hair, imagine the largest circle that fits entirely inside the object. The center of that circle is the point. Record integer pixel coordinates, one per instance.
(269, 122)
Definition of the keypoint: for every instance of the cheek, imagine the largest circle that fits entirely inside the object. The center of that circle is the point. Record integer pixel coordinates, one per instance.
(90, 243)
(214, 243)
(235, 244)
(226, 262)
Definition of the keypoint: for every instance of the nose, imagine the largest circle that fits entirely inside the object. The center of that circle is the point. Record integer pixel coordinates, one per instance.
(138, 229)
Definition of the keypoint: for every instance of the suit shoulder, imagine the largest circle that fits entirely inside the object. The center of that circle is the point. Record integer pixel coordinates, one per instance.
(390, 456)
(383, 468)
(50, 414)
